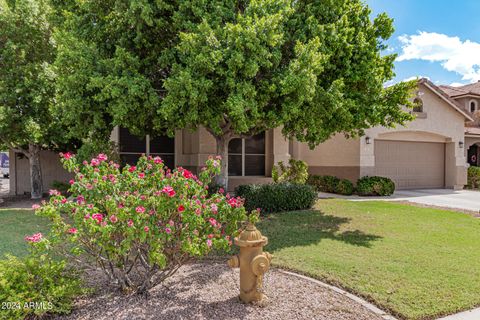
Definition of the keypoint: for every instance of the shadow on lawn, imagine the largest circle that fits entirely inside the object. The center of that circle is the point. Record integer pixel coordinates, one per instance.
(299, 228)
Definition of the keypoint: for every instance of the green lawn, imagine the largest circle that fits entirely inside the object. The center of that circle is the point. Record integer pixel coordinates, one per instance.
(14, 226)
(418, 263)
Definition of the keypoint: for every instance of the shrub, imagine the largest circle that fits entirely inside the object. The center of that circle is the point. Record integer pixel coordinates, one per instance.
(141, 223)
(324, 183)
(344, 187)
(61, 186)
(473, 177)
(296, 172)
(277, 197)
(33, 286)
(375, 186)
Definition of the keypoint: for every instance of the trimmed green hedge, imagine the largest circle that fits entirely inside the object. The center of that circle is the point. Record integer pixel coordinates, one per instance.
(323, 183)
(277, 197)
(375, 186)
(345, 187)
(473, 177)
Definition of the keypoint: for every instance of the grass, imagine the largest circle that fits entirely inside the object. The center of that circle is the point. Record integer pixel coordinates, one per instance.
(418, 263)
(15, 224)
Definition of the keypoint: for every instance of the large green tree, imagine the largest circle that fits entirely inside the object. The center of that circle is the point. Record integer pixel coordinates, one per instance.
(27, 83)
(237, 68)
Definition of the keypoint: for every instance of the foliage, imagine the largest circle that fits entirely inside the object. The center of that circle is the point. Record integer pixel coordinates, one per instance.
(375, 186)
(141, 223)
(36, 286)
(237, 69)
(386, 252)
(61, 186)
(296, 172)
(473, 177)
(91, 147)
(344, 187)
(324, 183)
(27, 83)
(277, 197)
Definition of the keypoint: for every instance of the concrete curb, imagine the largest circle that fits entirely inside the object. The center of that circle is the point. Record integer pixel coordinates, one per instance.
(353, 297)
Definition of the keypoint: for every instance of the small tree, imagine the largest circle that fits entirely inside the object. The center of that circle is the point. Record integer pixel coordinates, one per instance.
(27, 83)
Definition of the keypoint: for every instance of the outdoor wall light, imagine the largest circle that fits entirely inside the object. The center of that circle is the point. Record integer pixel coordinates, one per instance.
(367, 140)
(460, 144)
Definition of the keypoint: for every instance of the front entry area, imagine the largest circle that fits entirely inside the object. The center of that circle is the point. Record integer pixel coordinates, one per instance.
(411, 165)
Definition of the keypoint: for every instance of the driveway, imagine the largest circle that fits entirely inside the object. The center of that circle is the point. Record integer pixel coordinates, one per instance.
(461, 199)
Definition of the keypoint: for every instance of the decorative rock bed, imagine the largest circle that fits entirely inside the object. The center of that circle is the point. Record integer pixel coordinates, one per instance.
(210, 291)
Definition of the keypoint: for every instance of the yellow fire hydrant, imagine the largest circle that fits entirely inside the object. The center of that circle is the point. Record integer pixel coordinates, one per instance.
(253, 263)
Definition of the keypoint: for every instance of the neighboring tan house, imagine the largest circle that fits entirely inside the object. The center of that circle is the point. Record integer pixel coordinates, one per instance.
(430, 152)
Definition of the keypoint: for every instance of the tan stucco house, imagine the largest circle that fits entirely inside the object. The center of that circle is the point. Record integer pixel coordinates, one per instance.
(433, 151)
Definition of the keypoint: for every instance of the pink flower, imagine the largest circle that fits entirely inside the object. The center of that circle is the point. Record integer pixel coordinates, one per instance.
(72, 230)
(187, 174)
(216, 163)
(168, 230)
(169, 191)
(71, 181)
(146, 229)
(140, 209)
(181, 208)
(143, 197)
(54, 192)
(64, 200)
(80, 199)
(66, 155)
(221, 191)
(130, 223)
(34, 238)
(212, 221)
(121, 205)
(141, 175)
(151, 212)
(209, 243)
(171, 223)
(132, 168)
(198, 211)
(102, 157)
(35, 206)
(218, 157)
(157, 160)
(95, 162)
(113, 218)
(214, 208)
(232, 202)
(210, 236)
(98, 217)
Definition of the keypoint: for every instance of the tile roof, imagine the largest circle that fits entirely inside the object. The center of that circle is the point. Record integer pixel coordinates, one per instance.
(472, 88)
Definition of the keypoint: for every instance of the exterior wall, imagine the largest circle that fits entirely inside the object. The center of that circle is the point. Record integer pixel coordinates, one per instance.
(337, 156)
(52, 170)
(195, 148)
(438, 123)
(465, 102)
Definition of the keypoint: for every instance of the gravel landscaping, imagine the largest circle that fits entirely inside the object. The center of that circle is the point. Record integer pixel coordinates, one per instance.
(210, 291)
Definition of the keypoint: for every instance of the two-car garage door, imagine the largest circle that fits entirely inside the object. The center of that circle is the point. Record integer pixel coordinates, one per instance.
(411, 164)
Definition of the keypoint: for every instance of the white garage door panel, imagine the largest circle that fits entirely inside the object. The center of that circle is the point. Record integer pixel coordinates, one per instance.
(411, 164)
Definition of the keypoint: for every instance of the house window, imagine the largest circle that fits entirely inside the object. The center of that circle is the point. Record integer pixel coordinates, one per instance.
(132, 147)
(246, 157)
(473, 106)
(417, 105)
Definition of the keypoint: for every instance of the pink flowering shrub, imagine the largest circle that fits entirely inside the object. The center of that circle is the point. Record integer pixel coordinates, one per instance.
(139, 224)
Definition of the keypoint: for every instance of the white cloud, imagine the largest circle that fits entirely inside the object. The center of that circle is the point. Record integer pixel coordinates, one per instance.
(454, 54)
(414, 78)
(457, 84)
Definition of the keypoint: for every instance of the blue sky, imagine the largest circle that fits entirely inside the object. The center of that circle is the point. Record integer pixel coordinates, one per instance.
(438, 39)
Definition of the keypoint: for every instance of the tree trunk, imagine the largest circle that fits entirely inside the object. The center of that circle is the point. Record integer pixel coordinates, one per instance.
(222, 150)
(36, 182)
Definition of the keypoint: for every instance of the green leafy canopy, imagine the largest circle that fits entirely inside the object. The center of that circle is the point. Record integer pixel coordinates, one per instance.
(235, 67)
